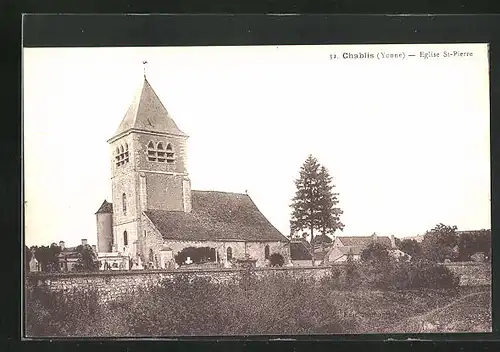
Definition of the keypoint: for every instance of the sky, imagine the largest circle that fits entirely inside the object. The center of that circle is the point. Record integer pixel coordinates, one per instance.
(406, 140)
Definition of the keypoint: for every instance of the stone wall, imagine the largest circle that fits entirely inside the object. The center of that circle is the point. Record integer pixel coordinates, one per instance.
(111, 284)
(471, 273)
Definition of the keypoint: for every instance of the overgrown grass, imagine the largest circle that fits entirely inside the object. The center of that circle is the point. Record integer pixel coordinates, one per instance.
(275, 304)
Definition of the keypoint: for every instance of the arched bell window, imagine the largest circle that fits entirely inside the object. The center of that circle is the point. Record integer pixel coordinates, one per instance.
(170, 154)
(151, 152)
(121, 155)
(159, 153)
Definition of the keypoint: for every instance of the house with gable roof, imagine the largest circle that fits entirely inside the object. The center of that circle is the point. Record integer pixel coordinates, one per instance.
(154, 214)
(344, 245)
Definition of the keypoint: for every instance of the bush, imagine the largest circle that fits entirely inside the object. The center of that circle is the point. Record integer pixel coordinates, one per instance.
(275, 303)
(72, 313)
(391, 275)
(434, 276)
(197, 255)
(276, 259)
(263, 303)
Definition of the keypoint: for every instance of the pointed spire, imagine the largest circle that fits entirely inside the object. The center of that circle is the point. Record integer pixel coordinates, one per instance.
(147, 113)
(144, 63)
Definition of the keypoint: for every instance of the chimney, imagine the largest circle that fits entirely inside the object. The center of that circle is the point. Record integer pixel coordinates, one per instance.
(393, 242)
(84, 241)
(61, 244)
(374, 237)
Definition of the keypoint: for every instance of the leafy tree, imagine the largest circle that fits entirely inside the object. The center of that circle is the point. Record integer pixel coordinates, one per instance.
(411, 247)
(351, 271)
(27, 258)
(313, 206)
(322, 242)
(470, 243)
(397, 242)
(87, 259)
(375, 252)
(48, 258)
(439, 243)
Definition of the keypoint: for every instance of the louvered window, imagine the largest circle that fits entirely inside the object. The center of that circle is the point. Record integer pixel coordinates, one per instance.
(160, 153)
(121, 155)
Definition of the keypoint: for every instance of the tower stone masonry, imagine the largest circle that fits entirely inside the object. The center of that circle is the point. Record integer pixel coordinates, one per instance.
(148, 167)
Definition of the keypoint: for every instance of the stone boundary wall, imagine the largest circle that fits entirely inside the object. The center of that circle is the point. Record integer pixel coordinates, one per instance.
(112, 284)
(471, 273)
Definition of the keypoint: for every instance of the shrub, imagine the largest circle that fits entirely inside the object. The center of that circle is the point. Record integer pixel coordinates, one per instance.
(270, 303)
(275, 303)
(276, 259)
(390, 274)
(197, 255)
(61, 314)
(435, 276)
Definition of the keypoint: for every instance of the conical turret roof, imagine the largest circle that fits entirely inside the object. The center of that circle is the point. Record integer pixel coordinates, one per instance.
(105, 208)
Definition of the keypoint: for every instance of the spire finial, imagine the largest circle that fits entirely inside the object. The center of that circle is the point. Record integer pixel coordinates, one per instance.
(144, 63)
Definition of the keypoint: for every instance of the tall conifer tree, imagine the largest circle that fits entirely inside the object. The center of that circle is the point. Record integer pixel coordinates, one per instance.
(313, 206)
(330, 213)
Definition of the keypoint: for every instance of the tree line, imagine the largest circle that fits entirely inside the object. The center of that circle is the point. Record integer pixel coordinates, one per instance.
(49, 260)
(445, 243)
(315, 210)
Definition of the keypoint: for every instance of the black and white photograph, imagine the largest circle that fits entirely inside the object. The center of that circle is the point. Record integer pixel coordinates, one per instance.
(256, 190)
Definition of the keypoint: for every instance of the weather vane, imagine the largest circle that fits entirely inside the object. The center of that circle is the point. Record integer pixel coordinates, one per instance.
(144, 63)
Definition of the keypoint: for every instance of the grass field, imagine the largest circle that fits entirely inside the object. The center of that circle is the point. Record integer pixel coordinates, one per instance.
(469, 313)
(427, 311)
(275, 307)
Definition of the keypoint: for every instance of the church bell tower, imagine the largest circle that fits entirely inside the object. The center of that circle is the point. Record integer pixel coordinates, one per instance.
(148, 167)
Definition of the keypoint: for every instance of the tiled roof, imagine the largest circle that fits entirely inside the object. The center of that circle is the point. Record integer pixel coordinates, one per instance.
(105, 208)
(147, 113)
(69, 252)
(363, 241)
(216, 216)
(319, 255)
(322, 239)
(298, 251)
(338, 252)
(355, 250)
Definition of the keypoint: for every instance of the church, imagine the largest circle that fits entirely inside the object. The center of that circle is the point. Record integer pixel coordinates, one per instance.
(154, 214)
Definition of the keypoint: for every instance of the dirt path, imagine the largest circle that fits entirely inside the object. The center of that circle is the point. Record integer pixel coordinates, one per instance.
(423, 322)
